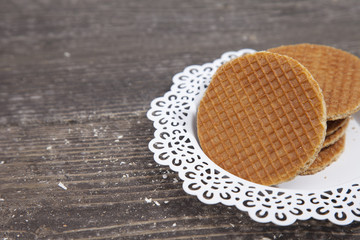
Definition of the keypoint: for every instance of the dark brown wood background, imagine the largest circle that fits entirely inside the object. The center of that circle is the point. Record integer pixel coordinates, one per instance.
(76, 80)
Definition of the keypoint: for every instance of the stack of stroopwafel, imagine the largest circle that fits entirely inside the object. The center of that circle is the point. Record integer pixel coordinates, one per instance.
(270, 116)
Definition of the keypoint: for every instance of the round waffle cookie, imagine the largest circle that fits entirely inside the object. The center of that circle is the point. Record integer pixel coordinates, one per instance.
(326, 156)
(262, 118)
(334, 125)
(332, 138)
(336, 71)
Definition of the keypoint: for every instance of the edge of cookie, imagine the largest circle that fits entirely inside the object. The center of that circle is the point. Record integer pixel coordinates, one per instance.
(334, 159)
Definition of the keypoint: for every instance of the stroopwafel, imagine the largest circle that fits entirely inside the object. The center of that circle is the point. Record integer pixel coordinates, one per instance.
(262, 118)
(336, 71)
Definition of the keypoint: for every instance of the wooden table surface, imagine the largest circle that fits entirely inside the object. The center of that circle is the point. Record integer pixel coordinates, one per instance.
(76, 81)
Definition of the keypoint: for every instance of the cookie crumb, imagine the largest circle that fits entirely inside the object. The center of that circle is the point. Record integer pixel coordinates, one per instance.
(62, 186)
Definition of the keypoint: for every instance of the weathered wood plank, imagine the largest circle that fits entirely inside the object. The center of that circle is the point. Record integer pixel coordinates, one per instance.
(113, 189)
(77, 63)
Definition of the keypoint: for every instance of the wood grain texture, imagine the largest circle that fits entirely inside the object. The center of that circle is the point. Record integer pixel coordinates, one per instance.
(76, 80)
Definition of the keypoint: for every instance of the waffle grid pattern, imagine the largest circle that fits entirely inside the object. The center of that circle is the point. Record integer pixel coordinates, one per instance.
(254, 120)
(336, 71)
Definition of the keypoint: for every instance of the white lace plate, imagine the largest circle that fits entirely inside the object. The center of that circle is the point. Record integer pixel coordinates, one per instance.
(332, 194)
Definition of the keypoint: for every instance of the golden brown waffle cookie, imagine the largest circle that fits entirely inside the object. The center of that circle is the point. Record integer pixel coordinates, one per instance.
(336, 71)
(332, 138)
(334, 125)
(326, 156)
(262, 118)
